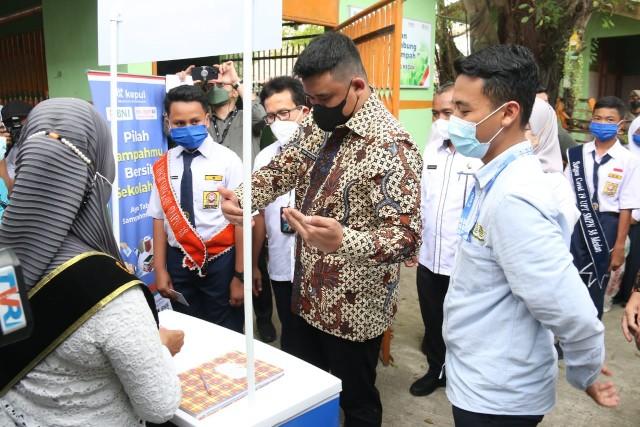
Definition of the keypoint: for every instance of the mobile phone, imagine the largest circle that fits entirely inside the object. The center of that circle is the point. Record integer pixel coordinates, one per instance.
(204, 74)
(284, 225)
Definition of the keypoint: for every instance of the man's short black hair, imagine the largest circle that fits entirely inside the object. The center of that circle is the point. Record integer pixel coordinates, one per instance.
(281, 84)
(444, 87)
(509, 72)
(541, 88)
(612, 102)
(186, 93)
(331, 51)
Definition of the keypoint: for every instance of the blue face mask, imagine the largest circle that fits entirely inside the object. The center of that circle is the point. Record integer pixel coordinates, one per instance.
(463, 136)
(189, 137)
(603, 131)
(636, 138)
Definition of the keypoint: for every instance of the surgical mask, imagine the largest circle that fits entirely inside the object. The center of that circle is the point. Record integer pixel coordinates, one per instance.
(283, 130)
(217, 96)
(328, 118)
(189, 137)
(442, 127)
(603, 131)
(636, 138)
(463, 136)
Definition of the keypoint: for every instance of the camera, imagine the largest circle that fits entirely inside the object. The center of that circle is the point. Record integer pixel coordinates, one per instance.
(204, 74)
(14, 127)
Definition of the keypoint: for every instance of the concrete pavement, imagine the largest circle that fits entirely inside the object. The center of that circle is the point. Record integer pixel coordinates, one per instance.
(574, 408)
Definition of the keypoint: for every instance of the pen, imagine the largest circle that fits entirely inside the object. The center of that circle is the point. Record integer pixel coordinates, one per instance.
(206, 385)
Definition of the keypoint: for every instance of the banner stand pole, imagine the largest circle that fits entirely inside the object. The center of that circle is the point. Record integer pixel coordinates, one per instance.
(247, 77)
(115, 204)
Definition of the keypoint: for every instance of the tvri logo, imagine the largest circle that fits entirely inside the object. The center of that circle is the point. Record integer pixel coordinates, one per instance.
(12, 316)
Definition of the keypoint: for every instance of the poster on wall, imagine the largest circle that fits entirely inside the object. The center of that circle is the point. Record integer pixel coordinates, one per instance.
(416, 69)
(141, 142)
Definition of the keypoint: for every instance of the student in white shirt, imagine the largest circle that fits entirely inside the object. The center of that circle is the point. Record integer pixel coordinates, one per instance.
(284, 101)
(446, 180)
(197, 252)
(605, 178)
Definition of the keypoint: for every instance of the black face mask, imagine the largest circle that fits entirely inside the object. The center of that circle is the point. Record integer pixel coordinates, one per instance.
(328, 118)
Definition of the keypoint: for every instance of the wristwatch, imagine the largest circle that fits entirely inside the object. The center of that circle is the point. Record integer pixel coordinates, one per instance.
(236, 85)
(238, 275)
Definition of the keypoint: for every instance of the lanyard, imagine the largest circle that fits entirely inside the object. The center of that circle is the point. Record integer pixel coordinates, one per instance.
(472, 208)
(227, 123)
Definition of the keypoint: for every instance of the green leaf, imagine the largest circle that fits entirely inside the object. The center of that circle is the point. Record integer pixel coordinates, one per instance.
(523, 6)
(524, 19)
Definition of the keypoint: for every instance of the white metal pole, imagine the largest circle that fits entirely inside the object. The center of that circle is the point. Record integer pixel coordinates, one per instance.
(247, 77)
(115, 204)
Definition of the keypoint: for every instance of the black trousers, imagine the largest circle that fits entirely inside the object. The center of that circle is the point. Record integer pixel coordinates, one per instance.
(432, 289)
(282, 292)
(464, 418)
(208, 296)
(353, 362)
(263, 303)
(632, 264)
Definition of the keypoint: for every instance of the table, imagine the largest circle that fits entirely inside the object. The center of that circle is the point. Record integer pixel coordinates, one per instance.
(303, 396)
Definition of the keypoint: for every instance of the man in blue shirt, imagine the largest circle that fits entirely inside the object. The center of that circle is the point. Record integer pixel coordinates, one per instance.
(514, 284)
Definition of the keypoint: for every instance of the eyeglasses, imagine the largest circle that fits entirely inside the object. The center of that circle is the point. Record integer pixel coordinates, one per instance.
(281, 115)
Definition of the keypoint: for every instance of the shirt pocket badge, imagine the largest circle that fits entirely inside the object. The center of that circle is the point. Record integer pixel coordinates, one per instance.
(610, 188)
(210, 200)
(479, 232)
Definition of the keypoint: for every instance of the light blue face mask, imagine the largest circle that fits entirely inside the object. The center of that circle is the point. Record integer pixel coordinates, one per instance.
(463, 136)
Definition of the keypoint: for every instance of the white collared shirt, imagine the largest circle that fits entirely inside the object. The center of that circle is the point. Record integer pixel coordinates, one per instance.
(216, 166)
(618, 179)
(281, 245)
(446, 181)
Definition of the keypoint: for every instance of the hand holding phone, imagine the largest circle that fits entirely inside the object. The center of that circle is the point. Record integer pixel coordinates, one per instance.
(204, 74)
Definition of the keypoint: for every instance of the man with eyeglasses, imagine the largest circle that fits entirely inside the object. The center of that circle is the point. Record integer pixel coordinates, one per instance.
(283, 99)
(356, 173)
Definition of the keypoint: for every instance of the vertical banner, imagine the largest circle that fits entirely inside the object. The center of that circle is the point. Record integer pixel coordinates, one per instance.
(141, 142)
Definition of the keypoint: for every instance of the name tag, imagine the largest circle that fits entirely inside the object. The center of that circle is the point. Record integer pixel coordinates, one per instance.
(432, 166)
(210, 200)
(213, 177)
(615, 176)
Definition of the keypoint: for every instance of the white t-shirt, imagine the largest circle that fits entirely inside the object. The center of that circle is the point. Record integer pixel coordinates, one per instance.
(216, 166)
(281, 245)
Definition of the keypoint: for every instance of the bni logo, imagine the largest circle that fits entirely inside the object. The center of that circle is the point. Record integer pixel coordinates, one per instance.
(11, 311)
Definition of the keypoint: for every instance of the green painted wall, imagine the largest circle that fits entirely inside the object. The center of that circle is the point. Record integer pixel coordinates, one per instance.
(417, 122)
(71, 43)
(623, 26)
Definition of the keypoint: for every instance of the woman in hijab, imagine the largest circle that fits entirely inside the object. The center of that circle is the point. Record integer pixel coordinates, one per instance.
(542, 132)
(95, 356)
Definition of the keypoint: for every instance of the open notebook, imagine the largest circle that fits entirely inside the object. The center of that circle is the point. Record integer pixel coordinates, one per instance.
(219, 382)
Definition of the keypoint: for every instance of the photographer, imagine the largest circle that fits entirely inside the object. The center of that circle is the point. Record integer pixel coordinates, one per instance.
(224, 93)
(14, 117)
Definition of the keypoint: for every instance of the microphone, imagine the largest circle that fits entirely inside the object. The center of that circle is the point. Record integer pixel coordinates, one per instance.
(16, 321)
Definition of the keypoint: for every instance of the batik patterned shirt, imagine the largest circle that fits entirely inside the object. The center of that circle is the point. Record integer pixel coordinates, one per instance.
(367, 177)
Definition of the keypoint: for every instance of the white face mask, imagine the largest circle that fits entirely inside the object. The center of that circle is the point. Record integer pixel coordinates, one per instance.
(442, 127)
(283, 130)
